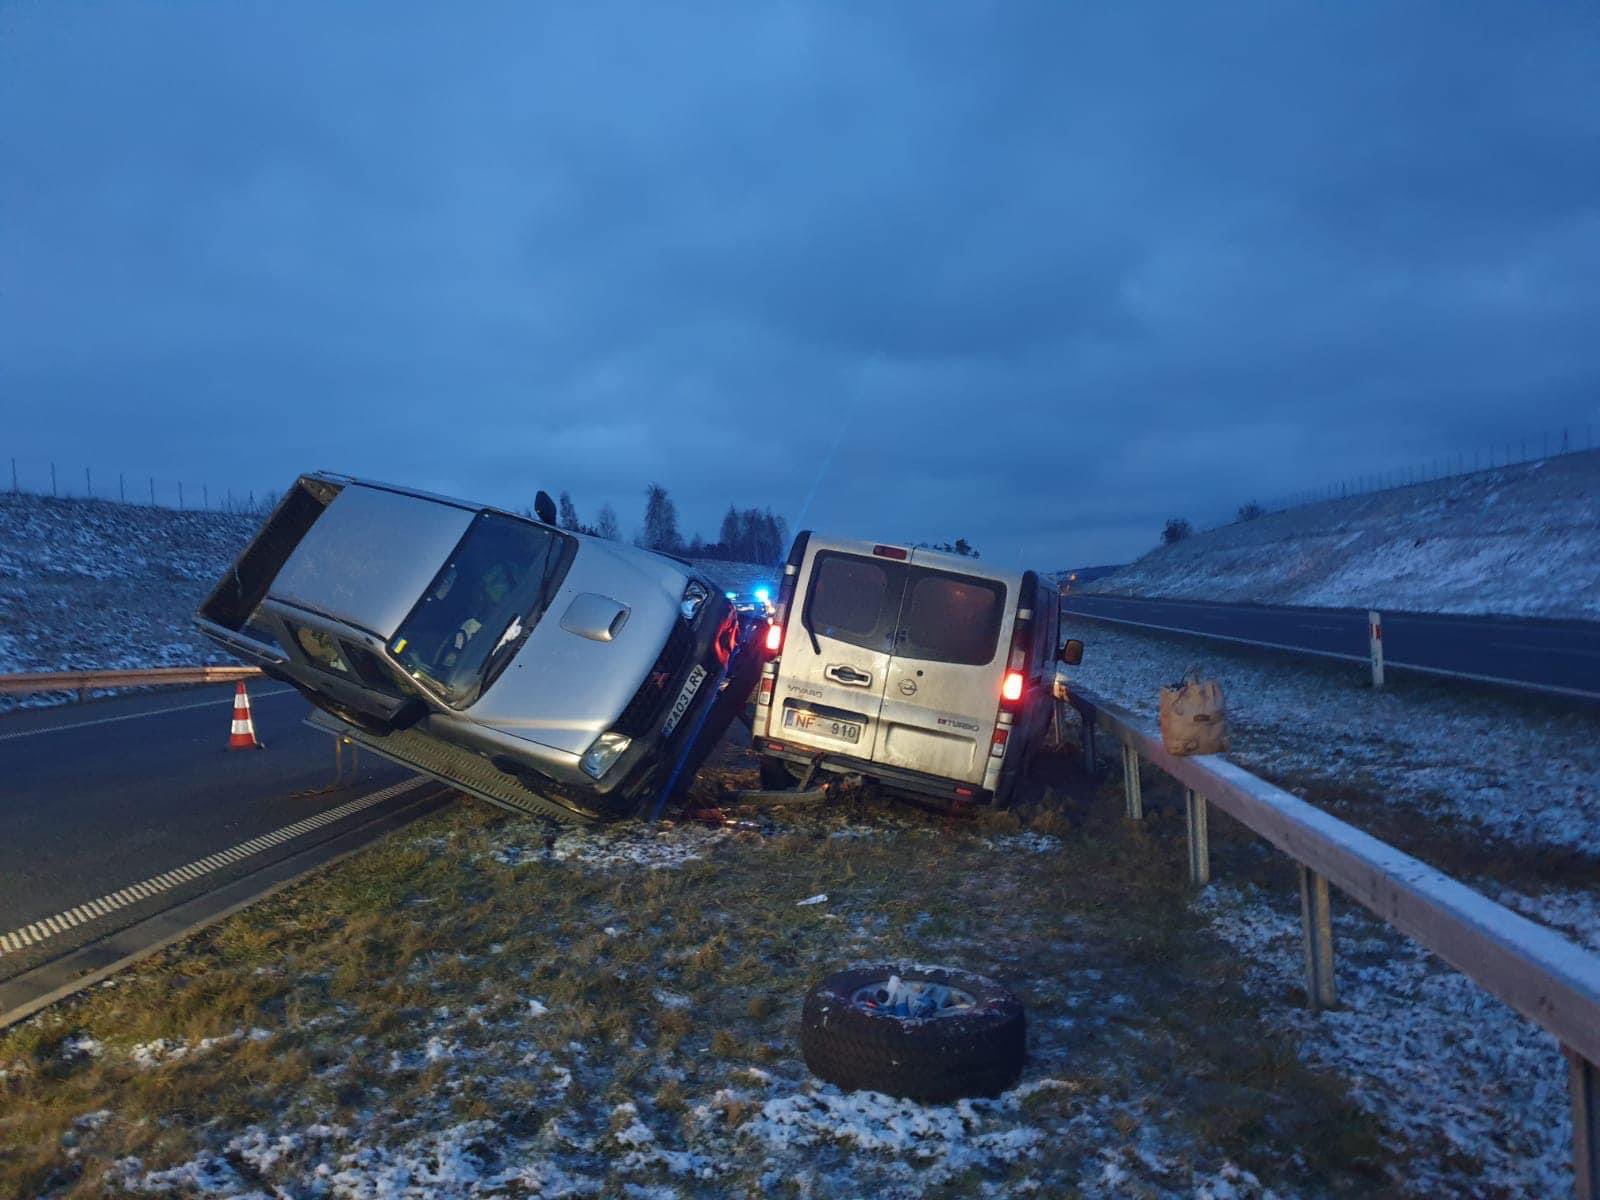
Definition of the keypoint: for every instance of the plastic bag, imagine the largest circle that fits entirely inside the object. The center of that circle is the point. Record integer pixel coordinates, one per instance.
(1193, 717)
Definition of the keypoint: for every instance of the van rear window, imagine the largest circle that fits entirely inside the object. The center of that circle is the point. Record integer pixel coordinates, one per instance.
(951, 618)
(855, 600)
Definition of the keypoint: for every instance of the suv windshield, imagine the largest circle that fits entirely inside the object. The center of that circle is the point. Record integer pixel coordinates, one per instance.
(482, 605)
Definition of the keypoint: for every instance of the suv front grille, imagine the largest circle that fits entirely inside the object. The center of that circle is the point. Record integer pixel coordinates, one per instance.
(639, 717)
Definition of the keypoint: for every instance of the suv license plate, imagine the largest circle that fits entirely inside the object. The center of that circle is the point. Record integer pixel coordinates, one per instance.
(685, 697)
(804, 722)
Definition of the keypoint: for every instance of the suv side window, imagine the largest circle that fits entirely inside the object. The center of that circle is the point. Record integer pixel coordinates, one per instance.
(854, 599)
(951, 618)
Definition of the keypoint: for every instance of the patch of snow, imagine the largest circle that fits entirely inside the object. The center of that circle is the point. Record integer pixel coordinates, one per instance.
(819, 898)
(1521, 540)
(1451, 1073)
(1315, 721)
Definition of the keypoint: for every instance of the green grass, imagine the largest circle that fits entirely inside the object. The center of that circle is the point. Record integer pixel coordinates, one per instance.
(1135, 1010)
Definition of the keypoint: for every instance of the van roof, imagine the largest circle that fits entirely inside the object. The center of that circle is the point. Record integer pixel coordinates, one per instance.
(938, 559)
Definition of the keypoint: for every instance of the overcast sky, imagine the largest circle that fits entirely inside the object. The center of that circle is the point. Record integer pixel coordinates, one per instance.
(1036, 276)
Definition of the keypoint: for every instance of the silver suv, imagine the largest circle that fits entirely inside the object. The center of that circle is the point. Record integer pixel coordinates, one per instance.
(926, 672)
(542, 670)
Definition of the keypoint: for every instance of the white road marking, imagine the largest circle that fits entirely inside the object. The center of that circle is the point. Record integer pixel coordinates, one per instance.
(1561, 650)
(48, 927)
(154, 712)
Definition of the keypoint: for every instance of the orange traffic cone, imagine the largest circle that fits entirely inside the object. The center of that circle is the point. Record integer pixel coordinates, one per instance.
(243, 736)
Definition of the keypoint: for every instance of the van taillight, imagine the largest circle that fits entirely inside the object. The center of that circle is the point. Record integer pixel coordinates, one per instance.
(1011, 689)
(891, 552)
(765, 696)
(997, 745)
(774, 638)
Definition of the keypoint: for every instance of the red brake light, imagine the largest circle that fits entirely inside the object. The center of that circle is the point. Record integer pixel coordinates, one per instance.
(891, 552)
(1011, 689)
(774, 638)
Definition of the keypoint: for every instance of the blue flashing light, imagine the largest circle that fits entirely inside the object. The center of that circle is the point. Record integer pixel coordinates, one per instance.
(763, 594)
(731, 595)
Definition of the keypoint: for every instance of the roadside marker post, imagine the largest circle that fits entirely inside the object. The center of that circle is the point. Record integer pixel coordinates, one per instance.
(1375, 642)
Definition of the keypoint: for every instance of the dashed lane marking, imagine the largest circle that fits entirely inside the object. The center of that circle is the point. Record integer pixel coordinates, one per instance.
(46, 928)
(154, 712)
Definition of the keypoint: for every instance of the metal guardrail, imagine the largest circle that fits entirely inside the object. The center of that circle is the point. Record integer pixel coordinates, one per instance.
(1548, 979)
(83, 682)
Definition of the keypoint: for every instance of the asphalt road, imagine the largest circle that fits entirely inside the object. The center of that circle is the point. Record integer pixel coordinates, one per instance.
(1554, 656)
(96, 797)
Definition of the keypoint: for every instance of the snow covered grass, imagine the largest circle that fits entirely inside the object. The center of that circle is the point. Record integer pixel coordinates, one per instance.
(480, 1006)
(1455, 1075)
(1501, 792)
(1466, 778)
(1521, 540)
(89, 583)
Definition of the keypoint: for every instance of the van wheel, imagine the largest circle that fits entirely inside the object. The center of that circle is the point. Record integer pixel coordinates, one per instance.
(924, 1033)
(778, 775)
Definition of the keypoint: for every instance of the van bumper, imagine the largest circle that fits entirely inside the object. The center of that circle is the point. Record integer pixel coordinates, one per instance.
(923, 784)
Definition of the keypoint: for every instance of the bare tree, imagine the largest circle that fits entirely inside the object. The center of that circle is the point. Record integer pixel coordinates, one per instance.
(569, 513)
(1176, 530)
(660, 521)
(607, 526)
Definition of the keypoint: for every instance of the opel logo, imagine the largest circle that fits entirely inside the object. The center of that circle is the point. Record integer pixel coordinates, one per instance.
(908, 687)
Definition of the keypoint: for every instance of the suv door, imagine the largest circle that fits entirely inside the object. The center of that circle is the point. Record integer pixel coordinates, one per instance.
(836, 652)
(943, 692)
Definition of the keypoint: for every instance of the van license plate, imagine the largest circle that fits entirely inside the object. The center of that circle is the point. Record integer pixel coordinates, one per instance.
(685, 697)
(805, 722)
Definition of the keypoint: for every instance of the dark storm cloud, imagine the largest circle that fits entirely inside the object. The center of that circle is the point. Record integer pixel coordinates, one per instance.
(1044, 276)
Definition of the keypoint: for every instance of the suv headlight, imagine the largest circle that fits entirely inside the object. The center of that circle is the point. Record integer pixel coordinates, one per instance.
(607, 748)
(694, 597)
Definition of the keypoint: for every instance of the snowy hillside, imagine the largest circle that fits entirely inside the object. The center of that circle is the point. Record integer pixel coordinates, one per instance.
(89, 583)
(1521, 540)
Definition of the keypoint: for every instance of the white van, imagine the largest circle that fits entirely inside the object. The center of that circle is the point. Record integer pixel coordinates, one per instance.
(928, 673)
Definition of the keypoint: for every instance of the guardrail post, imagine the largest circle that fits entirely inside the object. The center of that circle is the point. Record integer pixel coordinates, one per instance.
(1088, 742)
(1130, 782)
(1375, 646)
(1316, 918)
(1585, 1126)
(1194, 806)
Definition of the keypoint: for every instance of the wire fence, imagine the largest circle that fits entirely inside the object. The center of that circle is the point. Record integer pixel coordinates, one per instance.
(41, 477)
(1548, 443)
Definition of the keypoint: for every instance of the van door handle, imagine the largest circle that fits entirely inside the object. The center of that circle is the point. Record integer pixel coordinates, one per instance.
(846, 674)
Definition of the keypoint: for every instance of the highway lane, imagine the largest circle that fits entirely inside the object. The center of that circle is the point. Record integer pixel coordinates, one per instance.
(1554, 656)
(99, 796)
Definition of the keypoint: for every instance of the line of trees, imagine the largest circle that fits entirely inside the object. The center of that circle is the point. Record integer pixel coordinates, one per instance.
(747, 534)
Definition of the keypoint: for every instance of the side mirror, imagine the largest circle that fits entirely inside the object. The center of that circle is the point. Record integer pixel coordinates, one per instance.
(544, 508)
(1071, 652)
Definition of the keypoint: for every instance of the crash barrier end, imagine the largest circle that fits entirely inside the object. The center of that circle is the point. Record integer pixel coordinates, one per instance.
(1545, 977)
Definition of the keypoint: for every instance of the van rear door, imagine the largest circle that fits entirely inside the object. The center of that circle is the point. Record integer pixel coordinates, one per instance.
(943, 688)
(836, 651)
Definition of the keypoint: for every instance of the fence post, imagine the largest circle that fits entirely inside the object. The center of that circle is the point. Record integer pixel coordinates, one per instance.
(205, 496)
(1194, 806)
(180, 495)
(152, 491)
(1087, 726)
(122, 490)
(1130, 782)
(1316, 920)
(1585, 1125)
(1375, 646)
(52, 479)
(88, 483)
